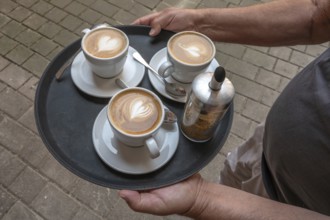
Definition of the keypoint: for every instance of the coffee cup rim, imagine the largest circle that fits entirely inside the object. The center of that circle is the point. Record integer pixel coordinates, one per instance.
(102, 28)
(137, 135)
(197, 33)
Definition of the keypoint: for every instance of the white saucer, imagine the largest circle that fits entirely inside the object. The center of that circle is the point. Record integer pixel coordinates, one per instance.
(128, 159)
(155, 62)
(82, 76)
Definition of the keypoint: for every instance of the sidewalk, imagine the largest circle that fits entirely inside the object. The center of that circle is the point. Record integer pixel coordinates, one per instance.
(33, 185)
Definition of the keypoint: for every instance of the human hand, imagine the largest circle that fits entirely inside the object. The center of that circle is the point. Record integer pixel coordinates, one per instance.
(179, 198)
(171, 19)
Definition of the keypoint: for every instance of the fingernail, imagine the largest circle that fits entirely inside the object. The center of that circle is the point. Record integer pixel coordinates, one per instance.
(152, 32)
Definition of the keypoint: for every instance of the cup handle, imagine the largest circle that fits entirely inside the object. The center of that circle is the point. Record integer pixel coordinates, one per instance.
(166, 69)
(152, 147)
(86, 30)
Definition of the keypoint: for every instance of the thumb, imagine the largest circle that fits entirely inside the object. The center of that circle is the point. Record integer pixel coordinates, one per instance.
(132, 198)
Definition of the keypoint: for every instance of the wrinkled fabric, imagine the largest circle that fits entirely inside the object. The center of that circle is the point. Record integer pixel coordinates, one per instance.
(242, 167)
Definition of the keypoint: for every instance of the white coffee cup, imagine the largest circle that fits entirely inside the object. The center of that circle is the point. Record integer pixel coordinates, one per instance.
(135, 115)
(189, 53)
(105, 49)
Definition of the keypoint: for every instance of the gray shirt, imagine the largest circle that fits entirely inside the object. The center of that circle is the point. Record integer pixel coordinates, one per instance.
(296, 159)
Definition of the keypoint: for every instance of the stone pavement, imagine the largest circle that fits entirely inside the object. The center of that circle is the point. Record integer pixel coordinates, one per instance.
(33, 185)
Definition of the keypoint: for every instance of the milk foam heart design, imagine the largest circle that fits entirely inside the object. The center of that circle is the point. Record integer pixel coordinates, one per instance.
(140, 109)
(194, 51)
(108, 43)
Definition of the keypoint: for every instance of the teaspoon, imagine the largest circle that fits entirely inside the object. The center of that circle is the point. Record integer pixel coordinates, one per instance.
(172, 88)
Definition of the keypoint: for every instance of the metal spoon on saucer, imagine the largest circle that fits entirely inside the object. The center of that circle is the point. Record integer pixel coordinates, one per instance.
(172, 88)
(60, 72)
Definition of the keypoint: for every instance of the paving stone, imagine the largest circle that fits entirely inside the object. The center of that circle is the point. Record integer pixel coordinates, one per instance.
(248, 2)
(268, 79)
(84, 214)
(29, 88)
(211, 172)
(19, 54)
(52, 203)
(301, 59)
(241, 126)
(213, 4)
(36, 64)
(283, 53)
(2, 86)
(70, 22)
(3, 19)
(234, 50)
(22, 141)
(247, 87)
(35, 21)
(6, 44)
(12, 29)
(21, 211)
(124, 4)
(20, 13)
(124, 17)
(239, 103)
(300, 48)
(222, 58)
(54, 53)
(65, 37)
(259, 59)
(90, 16)
(99, 199)
(49, 29)
(84, 25)
(286, 69)
(140, 10)
(56, 15)
(55, 171)
(6, 200)
(28, 37)
(241, 68)
(27, 185)
(283, 84)
(255, 111)
(149, 3)
(10, 165)
(6, 6)
(3, 62)
(269, 97)
(86, 2)
(259, 48)
(104, 8)
(13, 103)
(75, 8)
(14, 76)
(28, 120)
(42, 7)
(44, 46)
(26, 3)
(315, 50)
(60, 3)
(181, 4)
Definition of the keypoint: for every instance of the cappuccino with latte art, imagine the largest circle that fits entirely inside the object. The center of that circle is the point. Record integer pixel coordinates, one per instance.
(135, 112)
(191, 48)
(105, 50)
(105, 43)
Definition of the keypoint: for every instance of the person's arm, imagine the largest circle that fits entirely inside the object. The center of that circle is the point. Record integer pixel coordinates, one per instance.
(281, 22)
(199, 199)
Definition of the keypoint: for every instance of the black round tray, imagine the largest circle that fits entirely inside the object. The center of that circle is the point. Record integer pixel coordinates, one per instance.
(65, 118)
